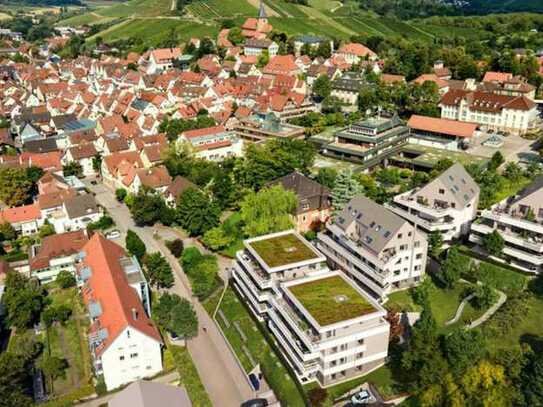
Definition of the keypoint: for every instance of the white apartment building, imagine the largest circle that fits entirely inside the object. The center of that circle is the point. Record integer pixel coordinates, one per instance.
(213, 143)
(375, 247)
(448, 204)
(519, 221)
(513, 114)
(124, 342)
(328, 329)
(162, 59)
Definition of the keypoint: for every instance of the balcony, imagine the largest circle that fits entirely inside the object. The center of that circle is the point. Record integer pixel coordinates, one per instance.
(442, 224)
(302, 328)
(253, 268)
(410, 200)
(532, 243)
(527, 257)
(500, 214)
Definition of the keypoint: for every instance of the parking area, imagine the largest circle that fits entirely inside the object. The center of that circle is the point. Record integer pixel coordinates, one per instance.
(514, 148)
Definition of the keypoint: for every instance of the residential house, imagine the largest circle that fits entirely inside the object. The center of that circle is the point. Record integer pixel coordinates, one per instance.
(125, 344)
(311, 42)
(354, 53)
(314, 201)
(156, 178)
(26, 220)
(56, 253)
(347, 87)
(143, 393)
(177, 187)
(162, 59)
(117, 166)
(334, 336)
(255, 47)
(257, 128)
(83, 154)
(446, 205)
(375, 247)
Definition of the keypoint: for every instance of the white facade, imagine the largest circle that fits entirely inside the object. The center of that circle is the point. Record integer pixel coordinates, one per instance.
(130, 357)
(326, 354)
(357, 245)
(272, 49)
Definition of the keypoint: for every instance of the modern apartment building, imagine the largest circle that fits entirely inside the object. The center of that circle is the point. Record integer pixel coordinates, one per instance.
(375, 247)
(519, 220)
(448, 204)
(368, 142)
(328, 329)
(125, 344)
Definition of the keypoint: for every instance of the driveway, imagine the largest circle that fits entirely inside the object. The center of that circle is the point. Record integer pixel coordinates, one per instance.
(224, 380)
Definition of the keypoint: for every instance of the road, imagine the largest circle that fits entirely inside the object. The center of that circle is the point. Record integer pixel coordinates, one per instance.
(224, 380)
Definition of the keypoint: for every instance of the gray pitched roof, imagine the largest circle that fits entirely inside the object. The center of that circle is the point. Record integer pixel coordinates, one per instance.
(150, 394)
(81, 205)
(457, 181)
(376, 224)
(535, 186)
(307, 191)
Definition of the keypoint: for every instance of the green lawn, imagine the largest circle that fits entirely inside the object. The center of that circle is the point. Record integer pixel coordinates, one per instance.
(531, 324)
(282, 250)
(508, 189)
(189, 376)
(444, 303)
(331, 300)
(430, 156)
(259, 349)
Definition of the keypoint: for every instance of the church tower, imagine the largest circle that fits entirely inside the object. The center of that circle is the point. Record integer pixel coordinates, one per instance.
(262, 17)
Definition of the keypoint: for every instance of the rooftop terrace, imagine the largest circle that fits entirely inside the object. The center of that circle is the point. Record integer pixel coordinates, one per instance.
(330, 300)
(282, 250)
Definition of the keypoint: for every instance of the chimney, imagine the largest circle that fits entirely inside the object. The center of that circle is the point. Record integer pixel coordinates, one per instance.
(134, 314)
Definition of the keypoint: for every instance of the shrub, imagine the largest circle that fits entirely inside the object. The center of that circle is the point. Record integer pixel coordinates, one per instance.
(507, 317)
(120, 194)
(176, 247)
(65, 279)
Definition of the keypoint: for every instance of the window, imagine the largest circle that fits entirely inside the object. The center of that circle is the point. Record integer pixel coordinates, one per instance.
(441, 191)
(121, 357)
(400, 235)
(418, 256)
(417, 244)
(133, 355)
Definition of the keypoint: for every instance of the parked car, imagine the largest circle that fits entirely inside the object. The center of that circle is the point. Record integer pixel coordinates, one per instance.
(114, 234)
(255, 403)
(254, 381)
(362, 397)
(94, 182)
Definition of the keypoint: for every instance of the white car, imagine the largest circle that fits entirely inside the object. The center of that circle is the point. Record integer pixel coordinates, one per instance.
(114, 234)
(362, 397)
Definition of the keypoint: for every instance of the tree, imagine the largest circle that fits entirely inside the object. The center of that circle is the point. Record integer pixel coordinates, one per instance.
(463, 348)
(53, 367)
(158, 270)
(217, 238)
(97, 159)
(453, 267)
(493, 243)
(59, 313)
(274, 159)
(327, 177)
(23, 299)
(135, 245)
(147, 209)
(73, 168)
(484, 296)
(176, 315)
(120, 194)
(196, 212)
(345, 189)
(7, 232)
(65, 279)
(15, 186)
(175, 246)
(496, 160)
(435, 243)
(267, 211)
(513, 172)
(46, 230)
(532, 380)
(202, 270)
(14, 379)
(235, 36)
(423, 360)
(485, 384)
(322, 86)
(317, 396)
(263, 59)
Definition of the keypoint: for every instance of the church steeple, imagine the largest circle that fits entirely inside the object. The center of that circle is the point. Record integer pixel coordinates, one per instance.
(262, 12)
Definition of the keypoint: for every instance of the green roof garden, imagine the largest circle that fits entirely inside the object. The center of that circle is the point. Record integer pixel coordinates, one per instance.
(282, 250)
(330, 300)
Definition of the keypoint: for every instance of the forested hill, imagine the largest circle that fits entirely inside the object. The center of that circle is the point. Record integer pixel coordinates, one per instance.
(42, 2)
(425, 8)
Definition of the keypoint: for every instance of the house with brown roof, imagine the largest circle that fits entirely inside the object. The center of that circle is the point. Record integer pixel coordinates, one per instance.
(259, 27)
(177, 187)
(314, 201)
(213, 143)
(162, 59)
(56, 253)
(116, 167)
(82, 154)
(25, 219)
(353, 53)
(512, 114)
(156, 178)
(124, 342)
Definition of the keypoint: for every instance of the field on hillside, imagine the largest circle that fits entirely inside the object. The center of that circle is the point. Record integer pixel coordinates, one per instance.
(153, 31)
(152, 20)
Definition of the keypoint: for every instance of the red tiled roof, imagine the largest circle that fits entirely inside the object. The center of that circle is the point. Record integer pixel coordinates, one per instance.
(356, 49)
(443, 126)
(203, 132)
(497, 76)
(110, 287)
(18, 214)
(61, 245)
